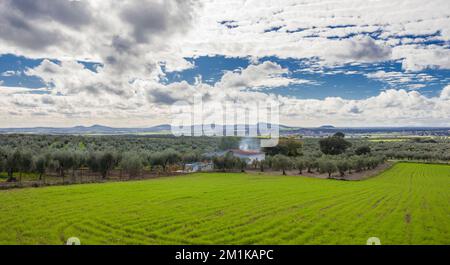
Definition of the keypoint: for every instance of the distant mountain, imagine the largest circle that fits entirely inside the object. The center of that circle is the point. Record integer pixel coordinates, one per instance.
(284, 130)
(95, 129)
(159, 129)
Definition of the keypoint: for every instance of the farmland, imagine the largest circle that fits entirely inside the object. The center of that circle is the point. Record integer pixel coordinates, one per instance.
(407, 204)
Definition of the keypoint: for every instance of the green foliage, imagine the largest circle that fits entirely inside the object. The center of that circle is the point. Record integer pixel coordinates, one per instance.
(363, 150)
(301, 164)
(107, 161)
(26, 162)
(286, 146)
(227, 143)
(339, 135)
(229, 162)
(405, 205)
(165, 158)
(132, 164)
(64, 161)
(19, 154)
(12, 163)
(327, 166)
(334, 145)
(266, 163)
(343, 166)
(41, 164)
(282, 162)
(359, 164)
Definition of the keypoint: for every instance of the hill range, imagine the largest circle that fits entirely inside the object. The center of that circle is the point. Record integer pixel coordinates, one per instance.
(284, 130)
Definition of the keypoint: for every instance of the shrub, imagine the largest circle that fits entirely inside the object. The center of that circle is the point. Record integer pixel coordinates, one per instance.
(334, 145)
(342, 165)
(327, 166)
(300, 164)
(132, 164)
(363, 150)
(282, 162)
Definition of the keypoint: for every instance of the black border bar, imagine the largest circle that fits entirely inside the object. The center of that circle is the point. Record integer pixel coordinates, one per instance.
(235, 254)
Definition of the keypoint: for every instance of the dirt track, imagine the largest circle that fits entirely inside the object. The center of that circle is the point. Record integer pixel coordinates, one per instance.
(354, 176)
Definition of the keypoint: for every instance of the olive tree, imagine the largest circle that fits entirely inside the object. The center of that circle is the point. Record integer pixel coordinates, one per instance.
(40, 164)
(64, 161)
(12, 164)
(132, 164)
(300, 164)
(334, 145)
(281, 162)
(363, 150)
(342, 166)
(25, 163)
(106, 161)
(327, 166)
(165, 158)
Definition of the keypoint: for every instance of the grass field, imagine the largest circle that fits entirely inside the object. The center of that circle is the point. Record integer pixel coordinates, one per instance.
(408, 204)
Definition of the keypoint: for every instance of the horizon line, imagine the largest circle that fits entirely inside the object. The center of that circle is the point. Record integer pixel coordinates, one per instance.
(280, 125)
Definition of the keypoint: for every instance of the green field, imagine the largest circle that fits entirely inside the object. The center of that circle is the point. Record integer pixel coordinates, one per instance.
(408, 204)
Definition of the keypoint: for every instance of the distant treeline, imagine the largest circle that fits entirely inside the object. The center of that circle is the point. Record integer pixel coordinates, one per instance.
(68, 156)
(328, 155)
(341, 164)
(68, 163)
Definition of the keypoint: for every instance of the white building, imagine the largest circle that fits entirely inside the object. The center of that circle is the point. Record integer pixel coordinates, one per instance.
(199, 167)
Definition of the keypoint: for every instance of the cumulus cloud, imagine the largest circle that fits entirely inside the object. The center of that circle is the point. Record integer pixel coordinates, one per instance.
(334, 31)
(134, 35)
(402, 108)
(401, 79)
(152, 30)
(151, 101)
(153, 18)
(265, 75)
(70, 13)
(72, 78)
(135, 41)
(445, 94)
(28, 23)
(10, 73)
(359, 49)
(420, 58)
(169, 94)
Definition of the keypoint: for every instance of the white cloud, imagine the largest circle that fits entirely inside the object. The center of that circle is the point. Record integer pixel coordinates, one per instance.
(125, 35)
(133, 40)
(152, 105)
(130, 33)
(389, 108)
(402, 79)
(11, 73)
(264, 75)
(445, 94)
(358, 49)
(73, 78)
(417, 58)
(303, 28)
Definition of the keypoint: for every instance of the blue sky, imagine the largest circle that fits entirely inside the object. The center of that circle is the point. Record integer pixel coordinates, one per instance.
(13, 70)
(346, 81)
(125, 63)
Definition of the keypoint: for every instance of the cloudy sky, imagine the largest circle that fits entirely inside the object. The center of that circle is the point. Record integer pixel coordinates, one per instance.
(123, 63)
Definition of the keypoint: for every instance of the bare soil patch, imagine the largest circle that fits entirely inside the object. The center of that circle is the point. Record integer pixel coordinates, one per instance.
(353, 176)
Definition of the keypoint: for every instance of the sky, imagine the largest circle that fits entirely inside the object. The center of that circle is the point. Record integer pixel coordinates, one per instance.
(125, 63)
